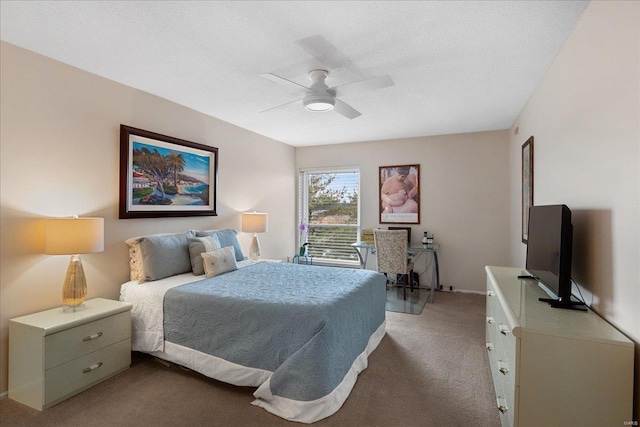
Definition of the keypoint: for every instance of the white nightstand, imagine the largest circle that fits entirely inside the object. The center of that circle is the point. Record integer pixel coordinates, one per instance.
(54, 355)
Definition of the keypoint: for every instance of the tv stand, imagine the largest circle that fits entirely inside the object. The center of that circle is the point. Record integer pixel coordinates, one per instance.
(553, 367)
(570, 305)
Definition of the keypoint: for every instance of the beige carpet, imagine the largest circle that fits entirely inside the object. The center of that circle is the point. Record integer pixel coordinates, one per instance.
(429, 370)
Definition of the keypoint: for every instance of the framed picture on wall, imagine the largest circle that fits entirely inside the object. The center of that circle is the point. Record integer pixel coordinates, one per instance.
(162, 176)
(527, 186)
(399, 194)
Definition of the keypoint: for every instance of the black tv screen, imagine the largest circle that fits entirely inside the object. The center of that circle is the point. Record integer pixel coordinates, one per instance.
(549, 250)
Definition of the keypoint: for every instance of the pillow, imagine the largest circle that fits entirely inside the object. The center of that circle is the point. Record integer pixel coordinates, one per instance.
(158, 256)
(219, 261)
(135, 262)
(198, 245)
(227, 237)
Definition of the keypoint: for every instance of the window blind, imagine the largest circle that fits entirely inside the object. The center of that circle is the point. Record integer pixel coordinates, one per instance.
(329, 206)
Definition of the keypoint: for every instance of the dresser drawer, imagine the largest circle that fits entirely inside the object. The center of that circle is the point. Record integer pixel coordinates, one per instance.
(504, 405)
(506, 413)
(508, 343)
(493, 304)
(507, 379)
(72, 343)
(72, 377)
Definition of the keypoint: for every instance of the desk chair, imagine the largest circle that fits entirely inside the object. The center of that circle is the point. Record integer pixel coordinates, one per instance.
(391, 249)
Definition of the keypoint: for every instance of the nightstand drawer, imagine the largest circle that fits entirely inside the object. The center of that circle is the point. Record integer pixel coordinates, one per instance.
(74, 376)
(72, 343)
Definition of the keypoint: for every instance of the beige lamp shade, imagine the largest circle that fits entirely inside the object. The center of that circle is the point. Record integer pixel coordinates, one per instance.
(254, 222)
(68, 236)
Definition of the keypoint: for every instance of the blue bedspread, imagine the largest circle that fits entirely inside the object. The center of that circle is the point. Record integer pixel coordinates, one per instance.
(305, 324)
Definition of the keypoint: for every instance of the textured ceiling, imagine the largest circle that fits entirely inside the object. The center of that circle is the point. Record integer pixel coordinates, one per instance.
(457, 66)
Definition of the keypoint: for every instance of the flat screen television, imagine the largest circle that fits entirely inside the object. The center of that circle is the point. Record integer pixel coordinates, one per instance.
(549, 248)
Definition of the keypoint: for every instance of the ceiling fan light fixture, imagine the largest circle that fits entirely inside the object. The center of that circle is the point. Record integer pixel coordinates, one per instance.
(317, 102)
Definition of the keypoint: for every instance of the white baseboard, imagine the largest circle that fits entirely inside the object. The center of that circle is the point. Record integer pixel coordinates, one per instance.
(464, 291)
(4, 395)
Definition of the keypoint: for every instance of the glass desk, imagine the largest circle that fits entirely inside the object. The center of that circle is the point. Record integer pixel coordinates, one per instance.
(417, 249)
(302, 259)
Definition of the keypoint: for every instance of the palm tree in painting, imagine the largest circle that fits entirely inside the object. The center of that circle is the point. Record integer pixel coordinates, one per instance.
(176, 163)
(154, 164)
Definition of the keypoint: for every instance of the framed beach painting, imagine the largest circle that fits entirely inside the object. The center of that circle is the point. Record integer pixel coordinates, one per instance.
(162, 176)
(527, 186)
(399, 194)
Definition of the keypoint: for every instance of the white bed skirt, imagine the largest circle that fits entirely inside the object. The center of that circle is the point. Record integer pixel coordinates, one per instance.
(292, 410)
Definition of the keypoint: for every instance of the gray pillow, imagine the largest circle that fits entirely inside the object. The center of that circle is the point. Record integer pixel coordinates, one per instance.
(164, 256)
(219, 261)
(199, 245)
(226, 237)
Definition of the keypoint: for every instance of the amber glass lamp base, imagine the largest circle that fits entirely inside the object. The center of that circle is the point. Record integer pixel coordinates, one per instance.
(74, 288)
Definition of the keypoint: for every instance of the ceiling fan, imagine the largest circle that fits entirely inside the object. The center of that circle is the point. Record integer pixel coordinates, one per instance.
(319, 97)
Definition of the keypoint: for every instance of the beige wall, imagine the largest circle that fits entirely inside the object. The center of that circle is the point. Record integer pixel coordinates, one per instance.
(463, 191)
(60, 156)
(585, 119)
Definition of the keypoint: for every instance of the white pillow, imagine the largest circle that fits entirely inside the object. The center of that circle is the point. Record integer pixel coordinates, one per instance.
(219, 261)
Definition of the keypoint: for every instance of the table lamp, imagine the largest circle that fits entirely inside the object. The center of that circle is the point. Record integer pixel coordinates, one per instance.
(74, 236)
(254, 222)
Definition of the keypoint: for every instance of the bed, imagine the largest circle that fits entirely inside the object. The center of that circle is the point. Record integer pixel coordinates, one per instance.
(300, 334)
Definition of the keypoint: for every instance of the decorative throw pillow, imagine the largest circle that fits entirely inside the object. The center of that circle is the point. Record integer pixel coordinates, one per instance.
(158, 256)
(219, 261)
(199, 245)
(227, 237)
(135, 262)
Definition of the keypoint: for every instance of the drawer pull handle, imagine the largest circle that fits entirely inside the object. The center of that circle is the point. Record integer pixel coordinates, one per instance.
(502, 405)
(489, 346)
(92, 337)
(503, 329)
(92, 368)
(490, 293)
(490, 320)
(503, 367)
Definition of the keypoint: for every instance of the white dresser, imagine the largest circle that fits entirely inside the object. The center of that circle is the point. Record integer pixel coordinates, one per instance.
(54, 355)
(552, 366)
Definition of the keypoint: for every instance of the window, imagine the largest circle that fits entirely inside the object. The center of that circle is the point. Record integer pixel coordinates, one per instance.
(329, 205)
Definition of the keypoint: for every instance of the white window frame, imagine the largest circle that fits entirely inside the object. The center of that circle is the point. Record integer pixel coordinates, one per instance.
(303, 208)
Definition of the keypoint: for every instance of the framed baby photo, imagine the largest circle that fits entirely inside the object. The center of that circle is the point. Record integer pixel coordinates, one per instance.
(399, 194)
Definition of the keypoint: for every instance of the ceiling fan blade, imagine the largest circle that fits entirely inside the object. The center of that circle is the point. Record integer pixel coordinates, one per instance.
(284, 82)
(282, 105)
(345, 109)
(324, 52)
(362, 86)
